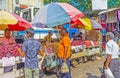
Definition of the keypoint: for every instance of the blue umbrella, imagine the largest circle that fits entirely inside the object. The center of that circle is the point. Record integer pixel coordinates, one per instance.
(55, 14)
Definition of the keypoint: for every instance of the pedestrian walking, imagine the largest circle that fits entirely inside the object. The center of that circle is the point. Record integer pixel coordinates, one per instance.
(31, 48)
(64, 52)
(112, 55)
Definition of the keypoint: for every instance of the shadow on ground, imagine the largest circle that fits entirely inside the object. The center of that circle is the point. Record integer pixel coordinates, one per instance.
(100, 69)
(92, 76)
(49, 73)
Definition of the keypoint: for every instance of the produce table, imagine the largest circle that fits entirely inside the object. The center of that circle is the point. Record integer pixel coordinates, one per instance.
(11, 64)
(92, 50)
(78, 51)
(9, 50)
(13, 71)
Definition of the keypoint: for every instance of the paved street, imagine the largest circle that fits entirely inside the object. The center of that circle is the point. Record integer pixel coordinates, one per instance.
(91, 69)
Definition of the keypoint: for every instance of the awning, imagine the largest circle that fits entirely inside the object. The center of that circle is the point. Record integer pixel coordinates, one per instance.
(109, 10)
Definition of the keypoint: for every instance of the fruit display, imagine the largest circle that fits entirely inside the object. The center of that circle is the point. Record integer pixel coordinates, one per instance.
(54, 46)
(76, 49)
(91, 43)
(95, 43)
(9, 50)
(88, 43)
(50, 48)
(77, 42)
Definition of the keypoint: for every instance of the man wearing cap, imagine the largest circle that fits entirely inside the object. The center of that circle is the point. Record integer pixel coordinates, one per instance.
(112, 55)
(31, 48)
(48, 37)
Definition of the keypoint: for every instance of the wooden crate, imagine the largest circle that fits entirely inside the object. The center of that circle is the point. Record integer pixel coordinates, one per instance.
(77, 55)
(92, 51)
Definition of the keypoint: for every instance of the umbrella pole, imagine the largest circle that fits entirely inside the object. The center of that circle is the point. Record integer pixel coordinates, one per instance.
(69, 29)
(59, 35)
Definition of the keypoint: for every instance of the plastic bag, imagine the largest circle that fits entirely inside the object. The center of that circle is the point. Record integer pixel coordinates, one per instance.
(108, 73)
(64, 68)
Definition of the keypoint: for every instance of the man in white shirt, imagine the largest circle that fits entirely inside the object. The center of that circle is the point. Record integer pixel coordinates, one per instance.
(112, 55)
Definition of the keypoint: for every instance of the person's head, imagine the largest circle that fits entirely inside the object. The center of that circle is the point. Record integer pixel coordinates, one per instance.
(73, 35)
(7, 33)
(80, 33)
(50, 33)
(30, 33)
(63, 32)
(109, 36)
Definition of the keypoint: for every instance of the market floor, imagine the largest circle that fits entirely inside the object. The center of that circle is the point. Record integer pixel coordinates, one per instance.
(91, 69)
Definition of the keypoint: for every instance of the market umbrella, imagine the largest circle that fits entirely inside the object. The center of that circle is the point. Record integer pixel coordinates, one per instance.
(84, 23)
(95, 25)
(7, 18)
(87, 24)
(20, 25)
(55, 14)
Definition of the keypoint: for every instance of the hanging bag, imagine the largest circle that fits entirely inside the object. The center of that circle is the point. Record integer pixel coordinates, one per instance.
(108, 73)
(64, 68)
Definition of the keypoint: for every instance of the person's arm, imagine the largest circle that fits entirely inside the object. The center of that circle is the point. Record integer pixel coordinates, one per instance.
(45, 38)
(65, 54)
(109, 55)
(21, 53)
(66, 43)
(41, 53)
(52, 40)
(107, 62)
(12, 41)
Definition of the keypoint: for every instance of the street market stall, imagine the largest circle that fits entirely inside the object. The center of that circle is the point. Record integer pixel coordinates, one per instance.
(78, 51)
(92, 35)
(11, 63)
(56, 14)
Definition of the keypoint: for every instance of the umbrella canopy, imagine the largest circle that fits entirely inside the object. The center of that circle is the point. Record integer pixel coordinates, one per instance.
(55, 14)
(20, 25)
(84, 23)
(95, 25)
(87, 24)
(7, 18)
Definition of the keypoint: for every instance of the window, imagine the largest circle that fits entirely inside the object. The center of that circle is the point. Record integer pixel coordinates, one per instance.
(17, 1)
(27, 15)
(4, 4)
(35, 11)
(0, 4)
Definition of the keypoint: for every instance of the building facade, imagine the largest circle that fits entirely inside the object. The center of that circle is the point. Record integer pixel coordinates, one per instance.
(3, 4)
(17, 5)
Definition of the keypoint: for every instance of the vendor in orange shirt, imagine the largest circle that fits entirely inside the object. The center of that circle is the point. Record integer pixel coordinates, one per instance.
(7, 39)
(64, 51)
